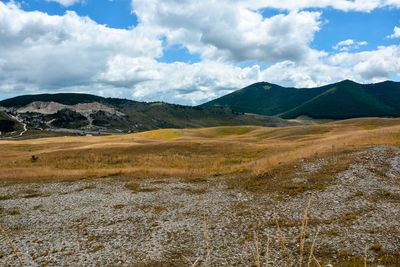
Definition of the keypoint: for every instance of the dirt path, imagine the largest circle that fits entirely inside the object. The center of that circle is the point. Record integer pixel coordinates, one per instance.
(25, 128)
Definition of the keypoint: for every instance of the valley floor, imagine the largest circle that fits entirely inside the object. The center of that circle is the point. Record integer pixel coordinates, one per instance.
(116, 221)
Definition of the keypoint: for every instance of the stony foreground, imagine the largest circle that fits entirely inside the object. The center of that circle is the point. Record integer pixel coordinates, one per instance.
(115, 222)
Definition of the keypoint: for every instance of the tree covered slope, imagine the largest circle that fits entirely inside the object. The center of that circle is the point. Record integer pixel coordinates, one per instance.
(342, 100)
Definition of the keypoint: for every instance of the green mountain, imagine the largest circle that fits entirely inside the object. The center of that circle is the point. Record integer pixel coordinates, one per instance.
(341, 100)
(89, 114)
(7, 124)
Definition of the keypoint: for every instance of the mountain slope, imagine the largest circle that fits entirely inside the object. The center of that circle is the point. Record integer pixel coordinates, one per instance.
(89, 114)
(341, 100)
(62, 98)
(345, 100)
(264, 98)
(6, 123)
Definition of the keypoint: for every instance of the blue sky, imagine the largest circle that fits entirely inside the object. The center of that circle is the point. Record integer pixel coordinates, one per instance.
(115, 14)
(189, 52)
(338, 25)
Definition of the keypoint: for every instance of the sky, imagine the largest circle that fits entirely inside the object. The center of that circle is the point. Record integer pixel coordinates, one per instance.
(189, 52)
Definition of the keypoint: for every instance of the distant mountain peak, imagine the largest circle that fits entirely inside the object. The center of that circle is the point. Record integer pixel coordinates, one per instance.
(341, 100)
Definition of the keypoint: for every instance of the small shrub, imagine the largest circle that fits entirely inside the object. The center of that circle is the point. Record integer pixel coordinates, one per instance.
(349, 217)
(196, 180)
(376, 247)
(147, 189)
(14, 212)
(159, 209)
(197, 190)
(112, 174)
(98, 247)
(343, 253)
(5, 197)
(87, 187)
(32, 195)
(44, 254)
(332, 233)
(37, 207)
(359, 193)
(133, 186)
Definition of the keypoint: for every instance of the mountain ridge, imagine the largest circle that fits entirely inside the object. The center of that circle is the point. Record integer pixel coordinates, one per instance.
(86, 114)
(342, 100)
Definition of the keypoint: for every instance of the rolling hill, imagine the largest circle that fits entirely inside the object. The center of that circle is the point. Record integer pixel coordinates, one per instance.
(90, 114)
(342, 100)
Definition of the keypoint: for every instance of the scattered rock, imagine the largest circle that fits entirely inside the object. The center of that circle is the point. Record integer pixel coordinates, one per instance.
(166, 222)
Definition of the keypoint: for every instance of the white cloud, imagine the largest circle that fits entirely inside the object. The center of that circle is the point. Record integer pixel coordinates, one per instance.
(396, 33)
(229, 31)
(345, 5)
(369, 65)
(196, 83)
(42, 53)
(178, 82)
(349, 44)
(46, 52)
(67, 2)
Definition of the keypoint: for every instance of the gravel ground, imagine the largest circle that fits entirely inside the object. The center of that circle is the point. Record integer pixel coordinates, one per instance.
(111, 221)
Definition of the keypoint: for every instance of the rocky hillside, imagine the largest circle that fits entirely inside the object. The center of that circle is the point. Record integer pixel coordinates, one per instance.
(88, 114)
(162, 222)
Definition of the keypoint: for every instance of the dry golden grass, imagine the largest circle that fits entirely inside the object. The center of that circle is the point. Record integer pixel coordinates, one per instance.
(218, 151)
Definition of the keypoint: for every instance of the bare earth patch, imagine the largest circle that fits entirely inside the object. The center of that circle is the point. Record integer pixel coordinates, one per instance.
(112, 221)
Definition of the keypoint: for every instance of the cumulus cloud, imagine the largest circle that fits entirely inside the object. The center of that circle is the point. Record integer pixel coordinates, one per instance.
(43, 53)
(196, 83)
(178, 82)
(230, 31)
(46, 52)
(66, 2)
(369, 66)
(349, 44)
(396, 33)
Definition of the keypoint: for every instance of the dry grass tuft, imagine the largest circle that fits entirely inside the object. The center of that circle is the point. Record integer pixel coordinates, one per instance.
(77, 242)
(11, 245)
(133, 186)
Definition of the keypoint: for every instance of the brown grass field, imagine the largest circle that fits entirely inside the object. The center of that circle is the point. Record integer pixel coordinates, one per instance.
(258, 162)
(188, 153)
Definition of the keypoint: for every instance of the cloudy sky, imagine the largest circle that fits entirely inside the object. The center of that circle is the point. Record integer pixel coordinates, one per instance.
(188, 51)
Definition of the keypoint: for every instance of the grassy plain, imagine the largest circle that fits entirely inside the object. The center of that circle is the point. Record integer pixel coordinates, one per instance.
(259, 159)
(189, 153)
